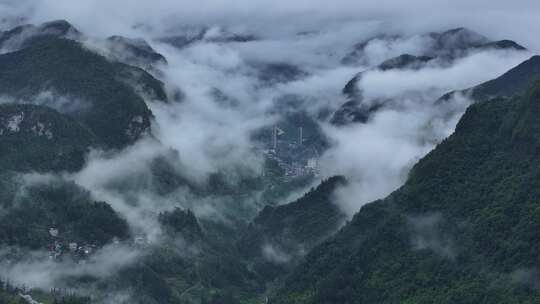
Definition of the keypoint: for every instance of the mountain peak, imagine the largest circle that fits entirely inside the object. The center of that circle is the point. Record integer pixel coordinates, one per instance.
(460, 38)
(403, 61)
(62, 27)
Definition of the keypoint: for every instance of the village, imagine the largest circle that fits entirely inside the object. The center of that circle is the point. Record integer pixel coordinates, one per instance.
(60, 248)
(294, 157)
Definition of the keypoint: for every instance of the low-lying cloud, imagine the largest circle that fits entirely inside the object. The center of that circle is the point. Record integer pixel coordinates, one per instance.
(38, 271)
(208, 129)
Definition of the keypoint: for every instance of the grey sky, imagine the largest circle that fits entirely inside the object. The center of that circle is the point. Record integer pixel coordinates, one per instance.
(497, 18)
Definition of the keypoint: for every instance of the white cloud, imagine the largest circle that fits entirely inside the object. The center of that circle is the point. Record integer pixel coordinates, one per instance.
(38, 271)
(211, 136)
(467, 72)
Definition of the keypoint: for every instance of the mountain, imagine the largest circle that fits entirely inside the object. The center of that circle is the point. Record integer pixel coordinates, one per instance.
(182, 222)
(279, 72)
(514, 82)
(455, 42)
(357, 55)
(23, 35)
(135, 52)
(190, 36)
(459, 231)
(401, 62)
(356, 110)
(450, 45)
(443, 49)
(198, 261)
(194, 263)
(280, 236)
(37, 138)
(30, 209)
(405, 61)
(105, 96)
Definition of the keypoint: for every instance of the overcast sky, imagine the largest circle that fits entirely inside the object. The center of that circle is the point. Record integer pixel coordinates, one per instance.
(517, 20)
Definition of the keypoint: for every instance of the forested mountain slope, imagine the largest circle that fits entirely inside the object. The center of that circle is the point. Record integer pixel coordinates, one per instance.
(461, 230)
(64, 75)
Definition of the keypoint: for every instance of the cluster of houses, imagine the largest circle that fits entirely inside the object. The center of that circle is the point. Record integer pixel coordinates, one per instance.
(59, 247)
(293, 156)
(79, 252)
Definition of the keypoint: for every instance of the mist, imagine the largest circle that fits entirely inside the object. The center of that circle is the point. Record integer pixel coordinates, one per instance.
(494, 18)
(199, 135)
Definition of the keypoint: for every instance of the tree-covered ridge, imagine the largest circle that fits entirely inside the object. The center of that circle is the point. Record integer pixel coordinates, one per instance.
(103, 95)
(461, 230)
(24, 35)
(516, 81)
(181, 222)
(37, 138)
(197, 263)
(441, 50)
(280, 236)
(307, 220)
(31, 208)
(449, 45)
(134, 52)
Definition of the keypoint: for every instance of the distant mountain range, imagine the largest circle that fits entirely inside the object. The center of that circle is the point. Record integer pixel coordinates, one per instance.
(443, 48)
(462, 229)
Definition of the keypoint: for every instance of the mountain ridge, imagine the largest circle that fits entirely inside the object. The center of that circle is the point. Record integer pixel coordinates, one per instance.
(442, 237)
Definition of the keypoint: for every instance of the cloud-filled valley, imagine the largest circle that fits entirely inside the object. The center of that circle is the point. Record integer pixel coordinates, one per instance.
(242, 81)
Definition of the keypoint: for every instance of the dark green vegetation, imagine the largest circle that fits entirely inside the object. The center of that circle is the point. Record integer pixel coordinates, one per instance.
(181, 222)
(462, 229)
(29, 209)
(105, 96)
(514, 82)
(194, 264)
(197, 263)
(280, 236)
(37, 138)
(9, 294)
